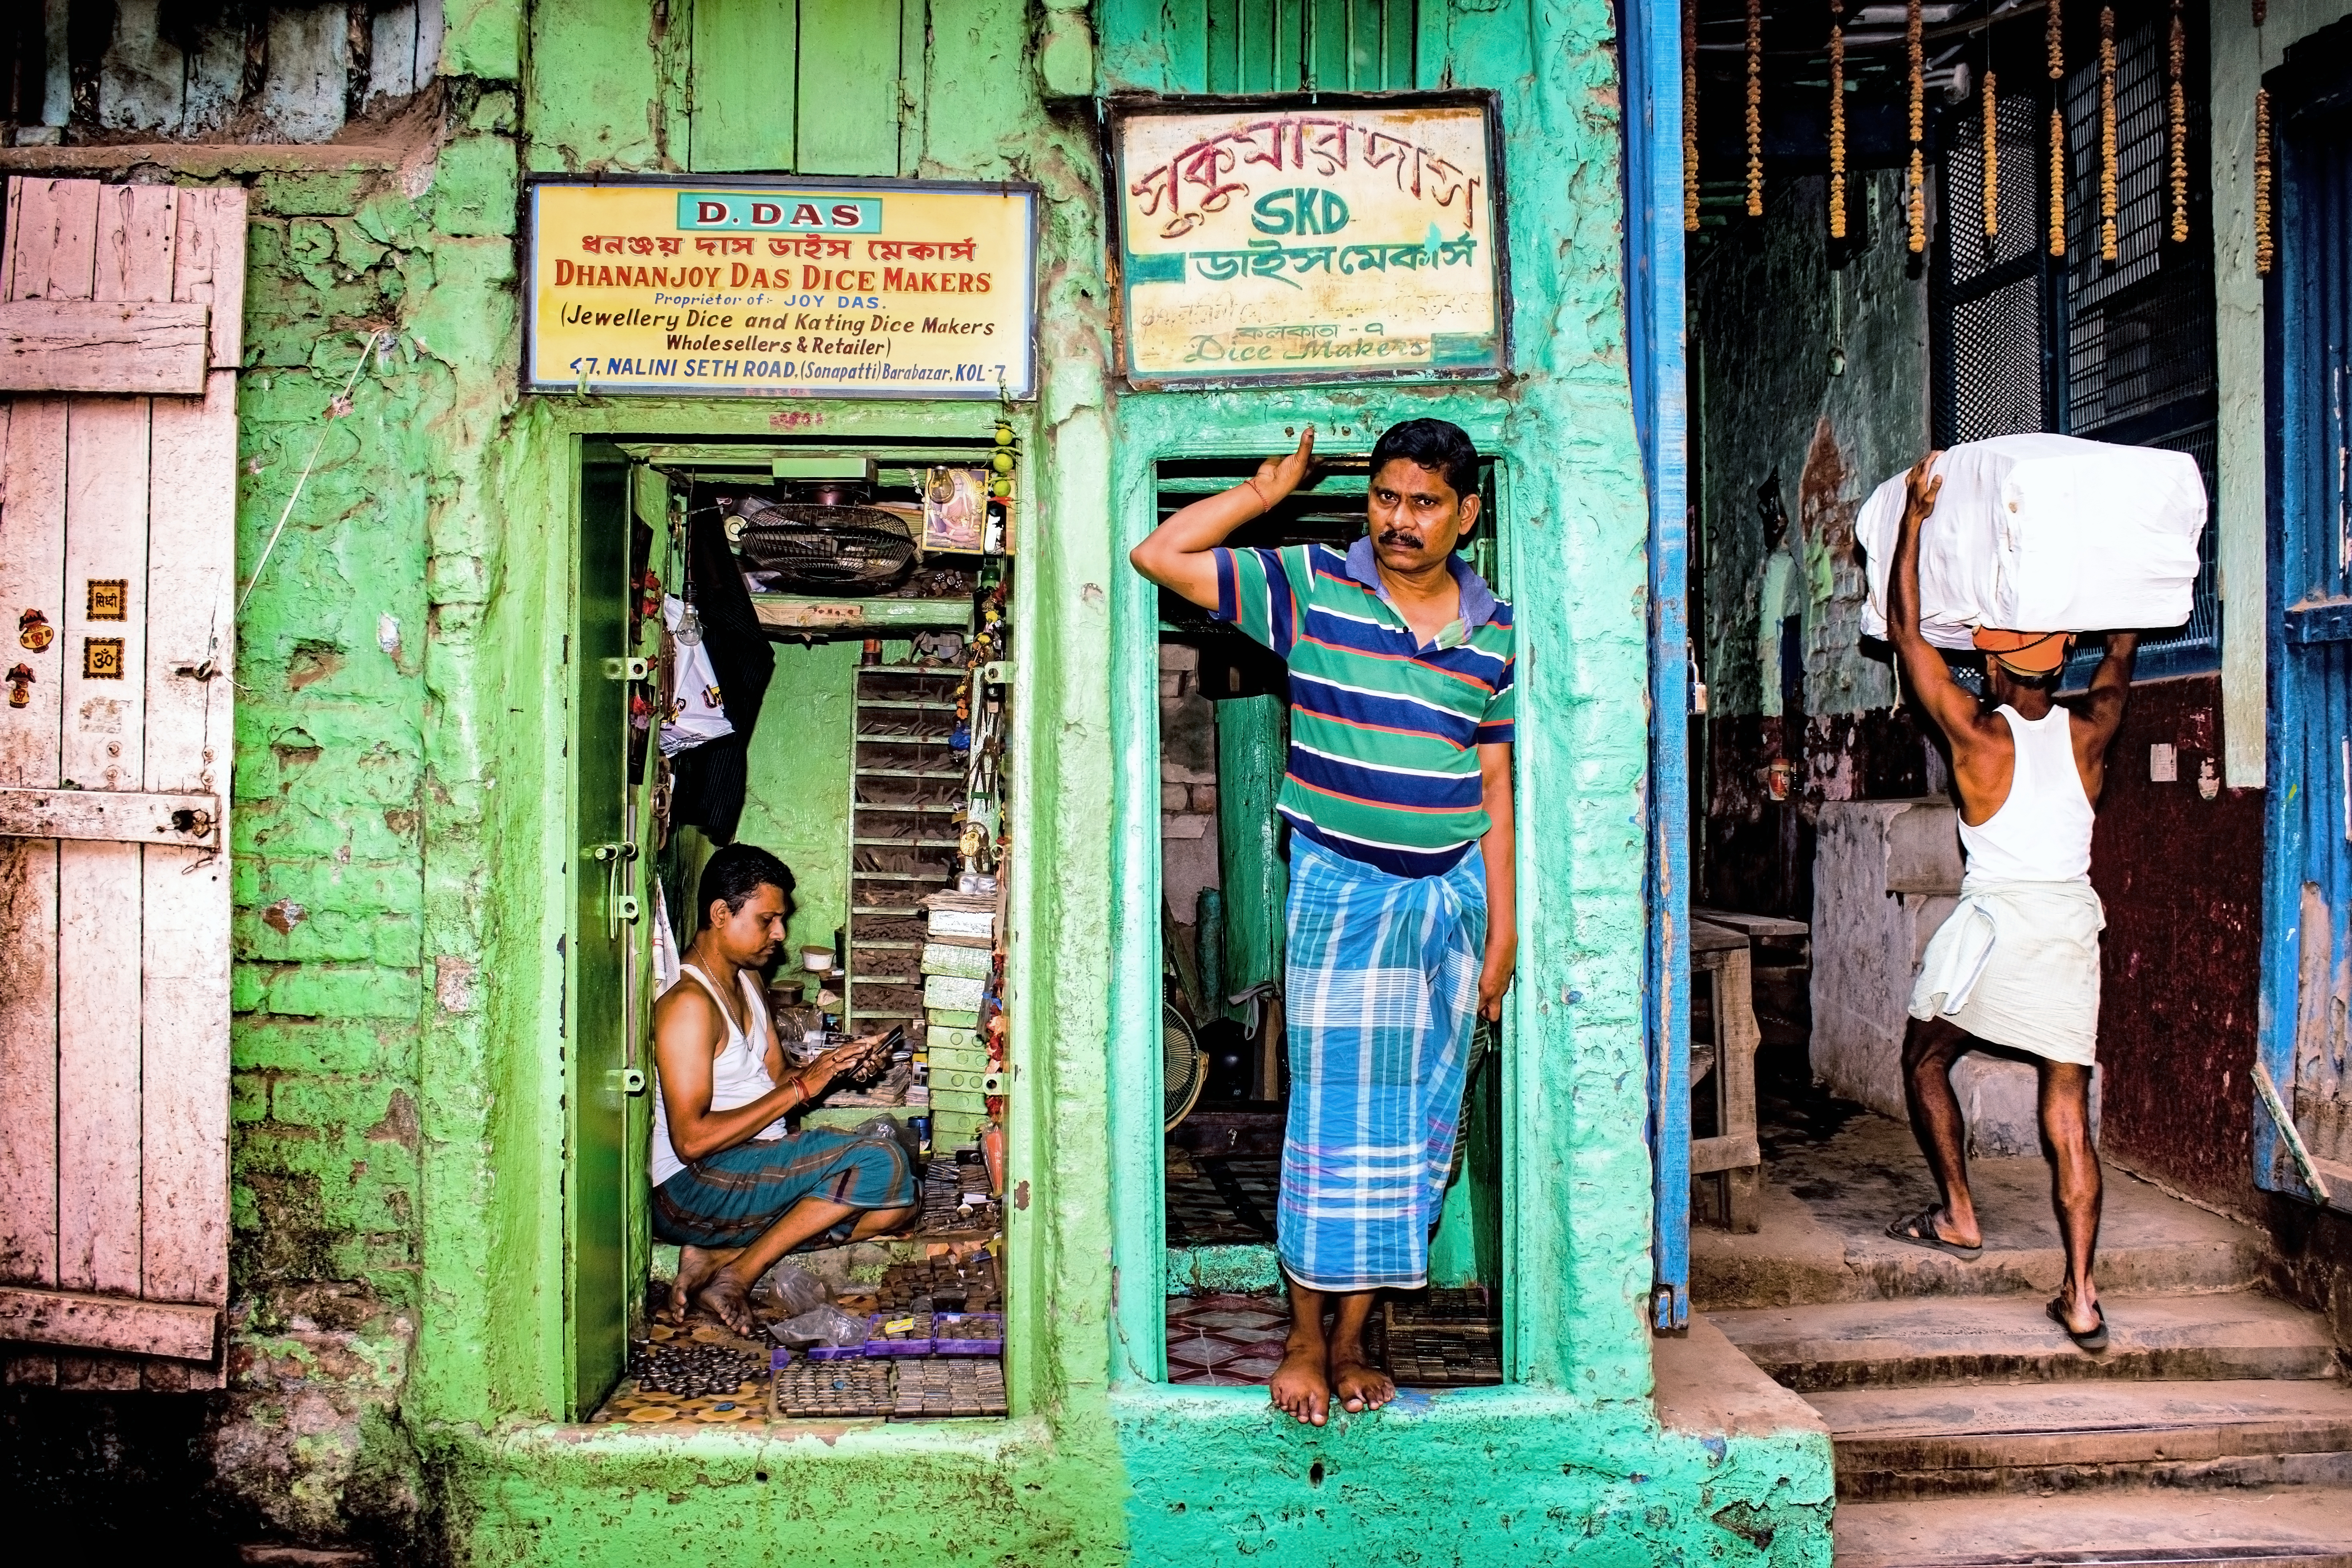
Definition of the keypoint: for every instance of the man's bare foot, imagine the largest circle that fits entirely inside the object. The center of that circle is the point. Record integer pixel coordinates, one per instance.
(695, 1265)
(1356, 1385)
(1299, 1387)
(725, 1298)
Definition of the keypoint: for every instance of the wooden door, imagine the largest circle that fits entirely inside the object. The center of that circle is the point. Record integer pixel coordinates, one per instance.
(115, 743)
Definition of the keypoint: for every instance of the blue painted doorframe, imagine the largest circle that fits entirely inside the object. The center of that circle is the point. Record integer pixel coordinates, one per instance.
(2307, 831)
(1651, 35)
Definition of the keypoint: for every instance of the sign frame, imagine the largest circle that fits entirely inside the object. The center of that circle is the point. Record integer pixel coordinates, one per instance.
(1023, 391)
(1123, 108)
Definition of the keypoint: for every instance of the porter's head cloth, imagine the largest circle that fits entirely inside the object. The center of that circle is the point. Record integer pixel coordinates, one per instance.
(2025, 653)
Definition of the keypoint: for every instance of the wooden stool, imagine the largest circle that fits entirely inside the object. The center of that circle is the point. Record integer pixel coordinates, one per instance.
(1725, 1066)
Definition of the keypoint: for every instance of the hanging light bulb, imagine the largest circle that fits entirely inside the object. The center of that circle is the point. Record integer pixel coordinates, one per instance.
(2107, 133)
(690, 626)
(1837, 119)
(1911, 41)
(2057, 43)
(1754, 108)
(1690, 116)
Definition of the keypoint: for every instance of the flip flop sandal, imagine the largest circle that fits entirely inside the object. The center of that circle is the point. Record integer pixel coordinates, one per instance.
(2091, 1340)
(1919, 1230)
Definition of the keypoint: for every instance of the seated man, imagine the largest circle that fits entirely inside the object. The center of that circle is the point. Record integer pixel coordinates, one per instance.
(732, 1187)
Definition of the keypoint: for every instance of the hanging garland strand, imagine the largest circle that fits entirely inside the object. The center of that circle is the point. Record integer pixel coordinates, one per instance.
(1837, 119)
(1690, 116)
(2057, 39)
(2107, 133)
(2176, 114)
(1918, 214)
(2265, 251)
(1992, 161)
(1754, 108)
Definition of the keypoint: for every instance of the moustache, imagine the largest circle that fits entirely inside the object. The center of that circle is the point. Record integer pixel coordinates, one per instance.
(1399, 536)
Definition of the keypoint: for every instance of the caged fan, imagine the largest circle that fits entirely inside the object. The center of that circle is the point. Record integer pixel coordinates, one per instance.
(825, 540)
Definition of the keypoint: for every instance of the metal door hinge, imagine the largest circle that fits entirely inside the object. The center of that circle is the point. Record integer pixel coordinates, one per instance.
(629, 1080)
(628, 668)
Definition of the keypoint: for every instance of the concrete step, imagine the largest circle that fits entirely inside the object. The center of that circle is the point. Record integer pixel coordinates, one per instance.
(1947, 1441)
(1826, 1205)
(2301, 1527)
(2006, 1339)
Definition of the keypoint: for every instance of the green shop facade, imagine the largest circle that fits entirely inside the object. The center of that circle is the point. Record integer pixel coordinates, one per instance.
(439, 871)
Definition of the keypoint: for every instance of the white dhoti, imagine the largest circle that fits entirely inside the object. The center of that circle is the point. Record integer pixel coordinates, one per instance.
(2017, 963)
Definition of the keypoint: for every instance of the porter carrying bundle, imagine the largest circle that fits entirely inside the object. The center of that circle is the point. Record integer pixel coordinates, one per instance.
(2044, 533)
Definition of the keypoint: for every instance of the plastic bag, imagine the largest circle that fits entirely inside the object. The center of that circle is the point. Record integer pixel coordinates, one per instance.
(825, 1325)
(796, 1290)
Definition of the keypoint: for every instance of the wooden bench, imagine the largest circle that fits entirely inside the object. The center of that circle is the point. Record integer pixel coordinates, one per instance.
(1724, 1067)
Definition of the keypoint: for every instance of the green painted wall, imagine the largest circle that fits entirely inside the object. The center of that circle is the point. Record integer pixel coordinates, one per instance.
(798, 802)
(398, 1343)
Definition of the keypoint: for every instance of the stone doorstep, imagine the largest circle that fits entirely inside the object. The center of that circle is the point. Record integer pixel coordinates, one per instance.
(1906, 1343)
(2298, 1527)
(1825, 1206)
(1912, 1443)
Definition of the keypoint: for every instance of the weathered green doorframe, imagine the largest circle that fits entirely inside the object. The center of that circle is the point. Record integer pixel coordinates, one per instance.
(1155, 428)
(604, 864)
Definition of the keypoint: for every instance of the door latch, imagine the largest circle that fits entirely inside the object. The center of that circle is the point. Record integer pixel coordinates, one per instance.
(618, 906)
(628, 668)
(629, 1080)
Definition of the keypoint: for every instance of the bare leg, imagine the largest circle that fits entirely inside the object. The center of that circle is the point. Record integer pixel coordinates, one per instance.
(727, 1289)
(1930, 1047)
(1356, 1385)
(2074, 1186)
(1301, 1387)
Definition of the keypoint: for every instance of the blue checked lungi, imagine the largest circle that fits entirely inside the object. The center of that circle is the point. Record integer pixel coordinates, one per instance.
(1381, 997)
(728, 1199)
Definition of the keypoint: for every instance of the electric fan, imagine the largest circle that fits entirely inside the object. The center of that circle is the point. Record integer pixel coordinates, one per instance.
(1183, 1067)
(822, 545)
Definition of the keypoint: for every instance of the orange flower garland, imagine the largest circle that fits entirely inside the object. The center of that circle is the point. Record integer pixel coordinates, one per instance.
(2057, 41)
(1754, 108)
(1837, 119)
(1991, 160)
(2107, 133)
(2265, 252)
(1919, 212)
(1690, 116)
(2176, 111)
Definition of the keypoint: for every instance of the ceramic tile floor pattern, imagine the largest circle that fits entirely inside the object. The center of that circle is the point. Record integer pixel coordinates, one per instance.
(1444, 1339)
(1220, 1199)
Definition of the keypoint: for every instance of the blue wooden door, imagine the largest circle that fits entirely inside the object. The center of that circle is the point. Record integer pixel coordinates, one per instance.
(1654, 310)
(2307, 871)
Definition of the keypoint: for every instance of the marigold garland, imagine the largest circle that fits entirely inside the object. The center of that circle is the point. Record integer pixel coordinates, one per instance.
(1754, 108)
(2107, 133)
(2176, 111)
(1690, 116)
(2057, 43)
(2261, 10)
(1991, 160)
(1911, 43)
(2265, 251)
(1837, 119)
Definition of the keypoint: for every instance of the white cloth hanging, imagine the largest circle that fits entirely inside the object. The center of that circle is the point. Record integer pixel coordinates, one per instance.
(696, 710)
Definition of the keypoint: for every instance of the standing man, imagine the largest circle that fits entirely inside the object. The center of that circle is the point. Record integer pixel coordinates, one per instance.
(733, 1186)
(2017, 963)
(1402, 928)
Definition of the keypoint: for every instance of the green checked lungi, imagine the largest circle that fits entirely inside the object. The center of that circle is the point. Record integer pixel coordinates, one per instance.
(1381, 1000)
(730, 1198)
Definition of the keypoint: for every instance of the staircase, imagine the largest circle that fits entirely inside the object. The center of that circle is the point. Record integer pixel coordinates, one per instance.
(1971, 1433)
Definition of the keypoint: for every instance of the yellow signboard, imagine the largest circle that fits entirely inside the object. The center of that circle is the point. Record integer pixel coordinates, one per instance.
(1310, 240)
(782, 288)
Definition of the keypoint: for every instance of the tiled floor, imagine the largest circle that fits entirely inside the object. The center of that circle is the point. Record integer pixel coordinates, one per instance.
(1231, 1340)
(1220, 1199)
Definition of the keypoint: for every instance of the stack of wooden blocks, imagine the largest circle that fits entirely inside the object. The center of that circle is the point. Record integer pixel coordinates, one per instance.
(958, 960)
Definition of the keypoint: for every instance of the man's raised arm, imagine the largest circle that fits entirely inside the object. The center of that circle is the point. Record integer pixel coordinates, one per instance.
(1176, 554)
(1945, 700)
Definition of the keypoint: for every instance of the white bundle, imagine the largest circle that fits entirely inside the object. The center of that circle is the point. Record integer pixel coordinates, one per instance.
(2044, 533)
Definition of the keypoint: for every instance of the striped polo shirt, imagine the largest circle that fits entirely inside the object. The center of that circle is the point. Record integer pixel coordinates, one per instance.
(1384, 732)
